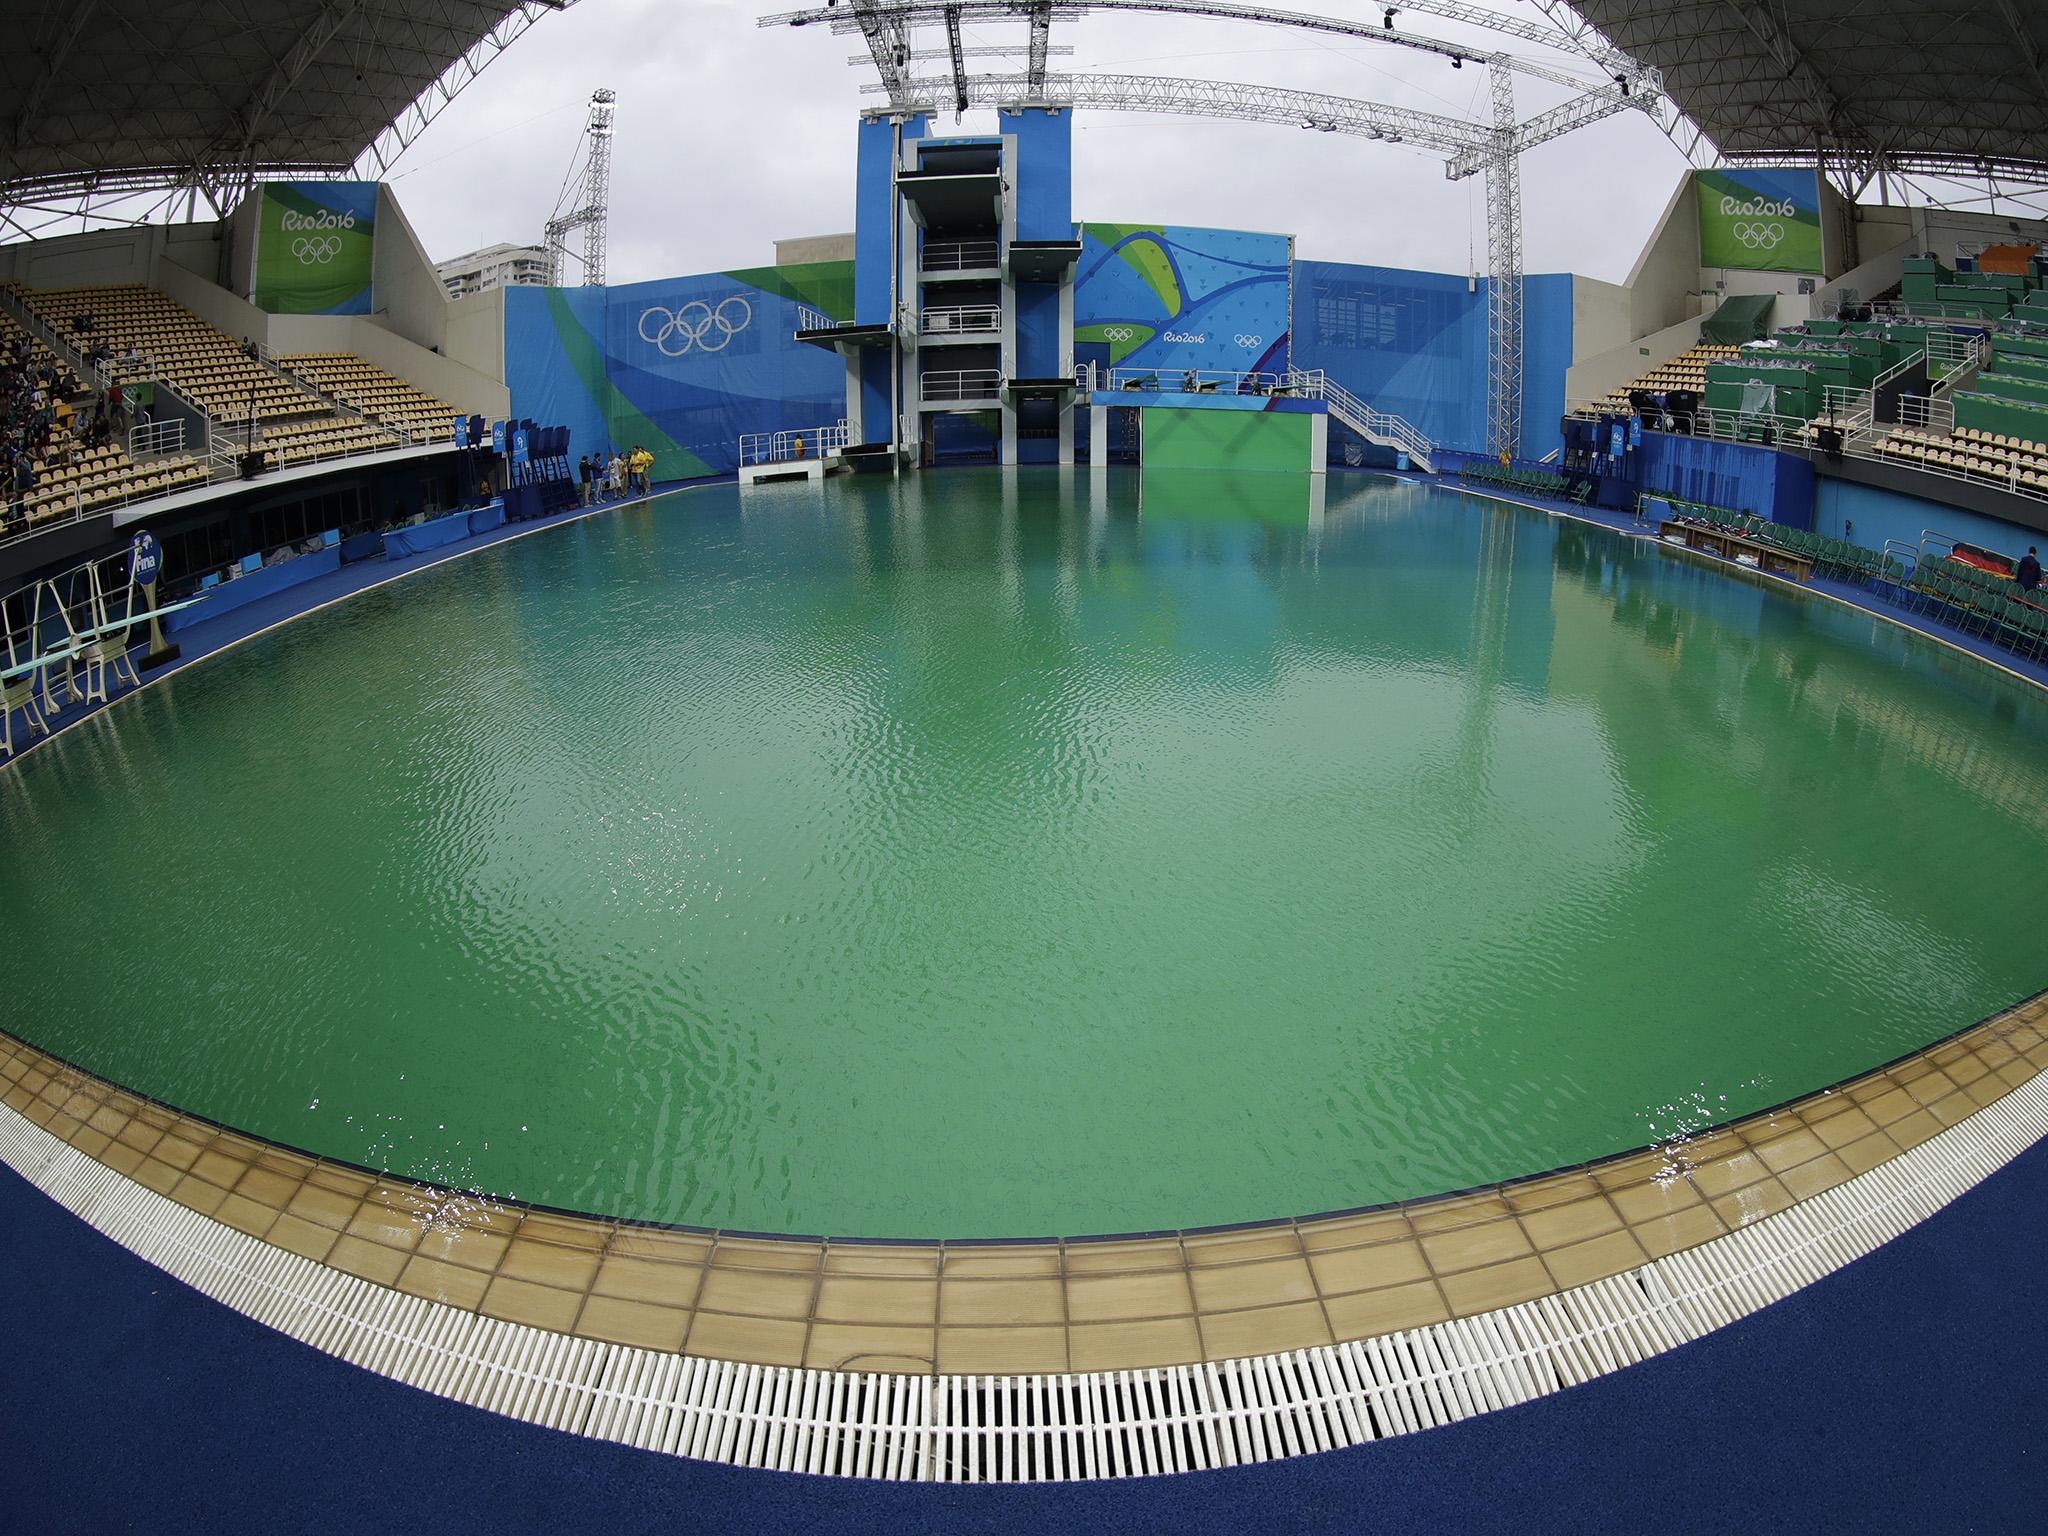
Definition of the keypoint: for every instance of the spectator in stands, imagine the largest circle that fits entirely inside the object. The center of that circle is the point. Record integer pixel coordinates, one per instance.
(2029, 573)
(249, 349)
(116, 406)
(583, 473)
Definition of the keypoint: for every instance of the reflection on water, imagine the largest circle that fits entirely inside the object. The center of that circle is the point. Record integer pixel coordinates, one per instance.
(1053, 851)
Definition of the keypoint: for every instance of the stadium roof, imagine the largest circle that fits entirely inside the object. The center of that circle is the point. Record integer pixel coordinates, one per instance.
(1943, 86)
(115, 96)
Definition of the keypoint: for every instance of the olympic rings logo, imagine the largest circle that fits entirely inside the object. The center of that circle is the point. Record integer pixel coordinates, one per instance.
(1247, 341)
(1760, 237)
(696, 326)
(1118, 333)
(319, 250)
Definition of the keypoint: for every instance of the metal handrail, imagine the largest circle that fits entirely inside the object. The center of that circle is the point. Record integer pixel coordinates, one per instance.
(795, 443)
(1380, 426)
(1205, 381)
(960, 384)
(961, 319)
(959, 255)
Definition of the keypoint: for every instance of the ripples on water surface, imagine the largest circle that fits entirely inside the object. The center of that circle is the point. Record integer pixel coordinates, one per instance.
(975, 857)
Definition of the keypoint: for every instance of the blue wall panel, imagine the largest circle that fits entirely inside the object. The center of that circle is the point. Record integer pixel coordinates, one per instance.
(1038, 331)
(873, 178)
(1044, 173)
(1865, 515)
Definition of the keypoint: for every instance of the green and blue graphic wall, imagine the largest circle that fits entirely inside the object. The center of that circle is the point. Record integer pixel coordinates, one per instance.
(1759, 220)
(314, 241)
(683, 366)
(1170, 298)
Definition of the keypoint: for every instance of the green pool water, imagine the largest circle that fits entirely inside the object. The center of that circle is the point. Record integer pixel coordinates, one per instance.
(999, 856)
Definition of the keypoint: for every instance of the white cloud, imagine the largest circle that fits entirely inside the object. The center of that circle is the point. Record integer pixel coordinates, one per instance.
(731, 136)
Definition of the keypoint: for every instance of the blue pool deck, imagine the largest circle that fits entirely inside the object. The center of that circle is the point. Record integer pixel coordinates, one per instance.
(1903, 1393)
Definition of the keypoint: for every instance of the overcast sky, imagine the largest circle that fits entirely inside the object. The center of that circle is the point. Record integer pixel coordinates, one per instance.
(731, 136)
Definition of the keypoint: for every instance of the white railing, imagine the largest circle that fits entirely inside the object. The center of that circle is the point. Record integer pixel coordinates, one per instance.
(1925, 415)
(809, 319)
(1199, 381)
(156, 437)
(2007, 479)
(1850, 409)
(961, 320)
(1382, 427)
(961, 384)
(796, 443)
(959, 255)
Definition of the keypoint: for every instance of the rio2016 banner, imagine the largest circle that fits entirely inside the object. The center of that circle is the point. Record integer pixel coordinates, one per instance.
(1171, 299)
(1761, 220)
(313, 244)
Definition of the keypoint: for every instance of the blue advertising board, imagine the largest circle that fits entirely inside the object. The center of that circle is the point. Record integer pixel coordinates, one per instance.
(462, 431)
(497, 437)
(519, 446)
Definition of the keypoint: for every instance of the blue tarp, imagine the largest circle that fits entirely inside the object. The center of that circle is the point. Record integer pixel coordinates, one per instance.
(1414, 343)
(432, 534)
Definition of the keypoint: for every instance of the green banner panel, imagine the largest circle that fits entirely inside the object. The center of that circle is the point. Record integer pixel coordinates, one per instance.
(1186, 438)
(1759, 220)
(313, 247)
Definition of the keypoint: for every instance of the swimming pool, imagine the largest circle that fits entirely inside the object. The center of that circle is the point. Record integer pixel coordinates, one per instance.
(997, 855)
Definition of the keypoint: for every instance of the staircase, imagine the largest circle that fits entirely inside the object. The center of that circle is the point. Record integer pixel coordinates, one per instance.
(1382, 427)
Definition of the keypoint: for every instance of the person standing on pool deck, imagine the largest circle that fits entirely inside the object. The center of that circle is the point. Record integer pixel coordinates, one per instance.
(2029, 573)
(583, 472)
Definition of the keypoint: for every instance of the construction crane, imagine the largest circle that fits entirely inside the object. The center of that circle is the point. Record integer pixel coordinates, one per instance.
(592, 211)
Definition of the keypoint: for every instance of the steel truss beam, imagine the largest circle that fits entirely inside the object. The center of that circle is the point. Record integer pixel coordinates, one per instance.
(1640, 80)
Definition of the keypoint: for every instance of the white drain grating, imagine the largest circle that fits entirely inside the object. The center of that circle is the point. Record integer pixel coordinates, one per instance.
(1036, 1428)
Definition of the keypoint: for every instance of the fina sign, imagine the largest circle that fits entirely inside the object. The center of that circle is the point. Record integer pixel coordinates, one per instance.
(145, 559)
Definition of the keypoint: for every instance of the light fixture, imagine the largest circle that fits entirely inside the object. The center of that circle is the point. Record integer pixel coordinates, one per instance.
(1391, 14)
(1457, 61)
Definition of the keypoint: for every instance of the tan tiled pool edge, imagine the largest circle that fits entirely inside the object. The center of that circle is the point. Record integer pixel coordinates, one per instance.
(1073, 1306)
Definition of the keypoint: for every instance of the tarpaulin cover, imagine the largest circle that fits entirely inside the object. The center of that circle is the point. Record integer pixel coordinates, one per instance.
(1745, 317)
(683, 366)
(1414, 343)
(1778, 486)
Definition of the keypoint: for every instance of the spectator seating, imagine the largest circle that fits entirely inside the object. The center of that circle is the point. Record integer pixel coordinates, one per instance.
(207, 366)
(1687, 371)
(101, 478)
(378, 395)
(1972, 453)
(328, 438)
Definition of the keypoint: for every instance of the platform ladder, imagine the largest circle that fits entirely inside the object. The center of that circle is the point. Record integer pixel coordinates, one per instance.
(1382, 427)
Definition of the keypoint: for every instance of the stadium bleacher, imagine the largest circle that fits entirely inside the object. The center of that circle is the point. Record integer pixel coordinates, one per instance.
(381, 396)
(306, 408)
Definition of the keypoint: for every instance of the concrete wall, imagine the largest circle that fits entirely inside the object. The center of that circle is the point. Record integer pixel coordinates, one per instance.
(791, 253)
(1663, 288)
(74, 261)
(213, 304)
(1590, 378)
(476, 333)
(1601, 317)
(405, 289)
(466, 388)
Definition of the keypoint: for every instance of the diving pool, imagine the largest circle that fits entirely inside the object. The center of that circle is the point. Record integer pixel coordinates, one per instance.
(1003, 854)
